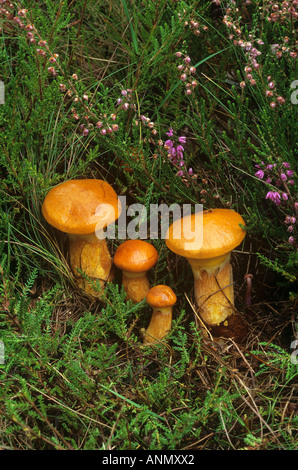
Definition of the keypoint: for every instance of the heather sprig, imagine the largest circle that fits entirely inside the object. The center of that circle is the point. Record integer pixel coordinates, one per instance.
(251, 46)
(186, 72)
(175, 152)
(82, 111)
(280, 177)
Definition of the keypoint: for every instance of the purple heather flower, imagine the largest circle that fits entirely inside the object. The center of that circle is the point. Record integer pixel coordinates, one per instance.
(287, 219)
(182, 139)
(172, 153)
(293, 220)
(273, 196)
(291, 240)
(290, 228)
(179, 150)
(286, 165)
(283, 177)
(170, 133)
(180, 173)
(190, 171)
(290, 172)
(260, 174)
(284, 196)
(169, 144)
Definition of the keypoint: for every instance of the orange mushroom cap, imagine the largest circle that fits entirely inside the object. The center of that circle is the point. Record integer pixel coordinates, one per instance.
(161, 296)
(135, 256)
(81, 206)
(221, 234)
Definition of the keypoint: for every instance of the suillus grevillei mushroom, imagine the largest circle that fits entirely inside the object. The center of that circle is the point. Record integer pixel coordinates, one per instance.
(82, 209)
(135, 258)
(162, 299)
(209, 258)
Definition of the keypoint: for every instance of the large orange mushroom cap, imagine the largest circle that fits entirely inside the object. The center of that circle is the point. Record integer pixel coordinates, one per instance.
(135, 256)
(81, 206)
(221, 233)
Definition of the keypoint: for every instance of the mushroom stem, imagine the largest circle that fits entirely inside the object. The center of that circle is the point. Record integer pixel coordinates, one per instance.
(213, 288)
(160, 324)
(136, 285)
(90, 255)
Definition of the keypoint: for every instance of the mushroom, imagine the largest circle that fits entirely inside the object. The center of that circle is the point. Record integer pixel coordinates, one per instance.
(161, 298)
(135, 258)
(209, 257)
(82, 209)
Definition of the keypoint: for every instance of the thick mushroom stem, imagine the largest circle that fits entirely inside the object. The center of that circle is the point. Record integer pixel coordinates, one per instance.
(89, 254)
(213, 288)
(160, 324)
(136, 285)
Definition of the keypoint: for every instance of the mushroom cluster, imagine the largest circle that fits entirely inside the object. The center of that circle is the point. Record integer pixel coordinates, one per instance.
(84, 208)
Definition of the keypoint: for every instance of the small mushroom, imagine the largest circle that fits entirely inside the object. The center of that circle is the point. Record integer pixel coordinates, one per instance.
(135, 258)
(82, 209)
(161, 298)
(209, 257)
